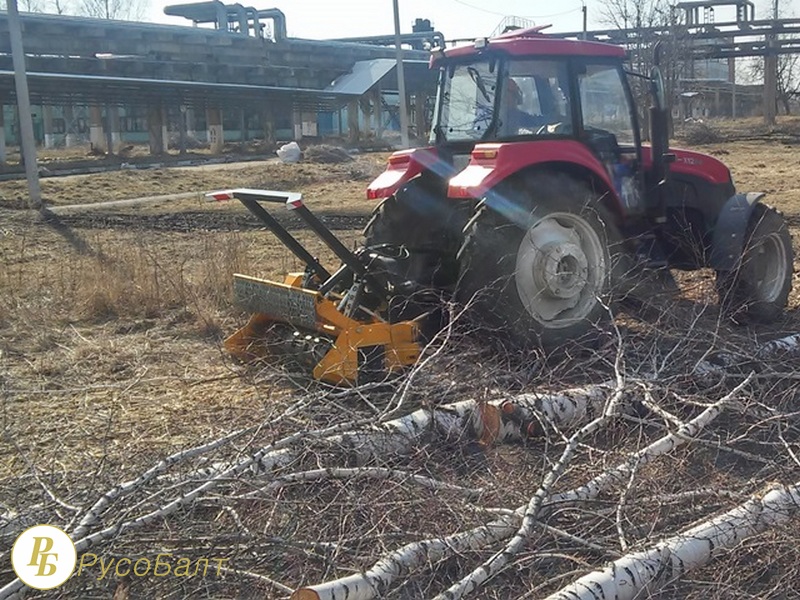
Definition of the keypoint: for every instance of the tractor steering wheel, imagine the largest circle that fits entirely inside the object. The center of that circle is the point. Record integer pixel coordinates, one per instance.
(551, 129)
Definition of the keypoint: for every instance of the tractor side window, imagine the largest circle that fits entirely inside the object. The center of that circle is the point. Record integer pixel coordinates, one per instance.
(467, 104)
(604, 103)
(535, 99)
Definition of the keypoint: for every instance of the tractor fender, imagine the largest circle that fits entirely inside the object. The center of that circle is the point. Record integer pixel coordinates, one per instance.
(730, 230)
(403, 166)
(492, 164)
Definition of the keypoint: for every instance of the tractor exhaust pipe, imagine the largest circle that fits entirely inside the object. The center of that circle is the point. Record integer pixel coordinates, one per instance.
(659, 137)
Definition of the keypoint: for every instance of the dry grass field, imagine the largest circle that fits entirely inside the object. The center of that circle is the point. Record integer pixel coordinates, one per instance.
(111, 322)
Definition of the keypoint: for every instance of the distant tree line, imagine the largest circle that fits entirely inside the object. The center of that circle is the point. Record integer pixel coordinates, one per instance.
(124, 10)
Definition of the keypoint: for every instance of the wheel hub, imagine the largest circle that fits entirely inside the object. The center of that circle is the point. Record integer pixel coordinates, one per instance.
(561, 269)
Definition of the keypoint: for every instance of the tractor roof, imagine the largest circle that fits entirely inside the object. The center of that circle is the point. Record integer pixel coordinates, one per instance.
(532, 42)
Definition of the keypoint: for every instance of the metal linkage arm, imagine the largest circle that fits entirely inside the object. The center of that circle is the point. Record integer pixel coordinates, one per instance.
(250, 199)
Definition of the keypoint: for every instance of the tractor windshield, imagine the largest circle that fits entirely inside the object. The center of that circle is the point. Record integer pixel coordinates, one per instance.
(466, 102)
(491, 100)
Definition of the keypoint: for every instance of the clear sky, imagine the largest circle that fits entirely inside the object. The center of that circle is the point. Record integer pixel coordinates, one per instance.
(321, 19)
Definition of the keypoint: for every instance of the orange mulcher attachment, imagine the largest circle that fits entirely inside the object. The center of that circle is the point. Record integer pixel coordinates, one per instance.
(363, 346)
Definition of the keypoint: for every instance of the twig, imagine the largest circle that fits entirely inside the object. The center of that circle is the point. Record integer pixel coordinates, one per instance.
(361, 473)
(276, 584)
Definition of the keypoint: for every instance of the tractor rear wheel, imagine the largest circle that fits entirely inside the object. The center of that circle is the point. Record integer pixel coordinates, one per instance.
(758, 290)
(536, 263)
(419, 220)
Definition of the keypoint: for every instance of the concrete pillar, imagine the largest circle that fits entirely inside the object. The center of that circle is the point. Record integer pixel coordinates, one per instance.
(297, 124)
(268, 117)
(216, 135)
(377, 112)
(114, 126)
(191, 124)
(165, 127)
(47, 118)
(365, 110)
(155, 129)
(15, 127)
(182, 130)
(3, 157)
(352, 121)
(419, 115)
(245, 135)
(71, 136)
(97, 136)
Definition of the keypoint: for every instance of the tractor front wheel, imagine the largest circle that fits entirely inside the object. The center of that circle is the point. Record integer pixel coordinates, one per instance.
(536, 263)
(758, 290)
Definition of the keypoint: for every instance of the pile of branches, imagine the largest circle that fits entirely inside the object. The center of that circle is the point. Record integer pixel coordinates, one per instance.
(474, 475)
(326, 154)
(698, 133)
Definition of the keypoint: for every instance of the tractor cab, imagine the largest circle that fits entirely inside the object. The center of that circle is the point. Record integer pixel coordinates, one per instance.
(529, 88)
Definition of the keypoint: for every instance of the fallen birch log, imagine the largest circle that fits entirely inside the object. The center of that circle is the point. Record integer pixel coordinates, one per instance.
(377, 580)
(641, 573)
(466, 419)
(526, 415)
(721, 362)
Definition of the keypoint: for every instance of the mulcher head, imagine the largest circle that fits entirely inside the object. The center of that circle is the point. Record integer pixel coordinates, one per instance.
(356, 352)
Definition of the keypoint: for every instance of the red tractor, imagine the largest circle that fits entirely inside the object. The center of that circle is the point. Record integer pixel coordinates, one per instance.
(536, 205)
(539, 199)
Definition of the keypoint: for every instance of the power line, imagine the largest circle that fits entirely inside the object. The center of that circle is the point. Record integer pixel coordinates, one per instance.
(493, 12)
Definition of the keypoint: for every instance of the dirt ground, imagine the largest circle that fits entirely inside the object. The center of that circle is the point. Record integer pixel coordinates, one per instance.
(111, 323)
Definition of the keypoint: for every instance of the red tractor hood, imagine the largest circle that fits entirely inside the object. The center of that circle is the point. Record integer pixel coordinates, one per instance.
(692, 163)
(492, 164)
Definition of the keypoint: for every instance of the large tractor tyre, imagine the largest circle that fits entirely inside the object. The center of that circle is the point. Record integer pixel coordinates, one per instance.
(758, 290)
(418, 222)
(536, 267)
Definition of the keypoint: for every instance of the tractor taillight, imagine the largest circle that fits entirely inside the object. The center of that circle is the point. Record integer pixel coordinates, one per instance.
(484, 154)
(400, 159)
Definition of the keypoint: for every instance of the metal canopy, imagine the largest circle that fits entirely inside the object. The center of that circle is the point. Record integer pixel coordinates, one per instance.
(366, 73)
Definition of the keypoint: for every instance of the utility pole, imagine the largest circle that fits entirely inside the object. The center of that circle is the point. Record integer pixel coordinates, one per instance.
(401, 80)
(771, 72)
(24, 106)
